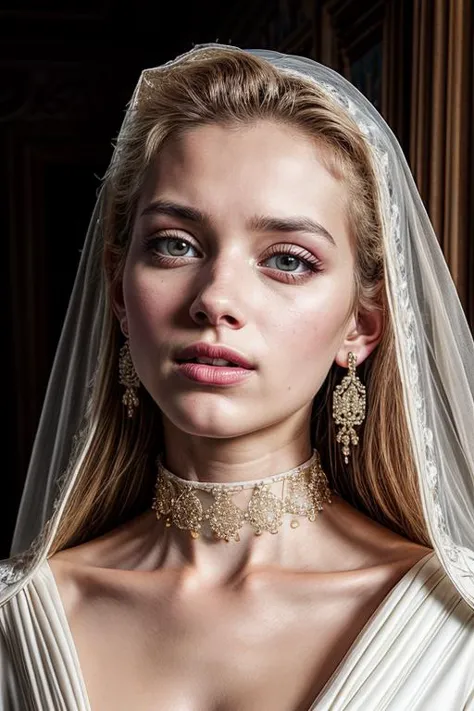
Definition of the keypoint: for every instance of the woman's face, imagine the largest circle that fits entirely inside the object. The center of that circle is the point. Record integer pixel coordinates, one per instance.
(240, 239)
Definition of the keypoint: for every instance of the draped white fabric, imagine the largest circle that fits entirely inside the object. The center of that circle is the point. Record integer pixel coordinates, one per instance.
(421, 626)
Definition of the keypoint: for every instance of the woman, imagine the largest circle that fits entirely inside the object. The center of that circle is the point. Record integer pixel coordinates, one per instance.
(249, 519)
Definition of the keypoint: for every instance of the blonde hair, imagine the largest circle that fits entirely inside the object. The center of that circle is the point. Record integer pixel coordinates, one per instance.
(228, 86)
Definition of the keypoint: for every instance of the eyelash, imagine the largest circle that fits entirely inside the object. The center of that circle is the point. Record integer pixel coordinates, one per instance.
(313, 264)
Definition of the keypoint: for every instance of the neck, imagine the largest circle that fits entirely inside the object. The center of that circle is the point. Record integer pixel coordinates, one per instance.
(222, 526)
(253, 456)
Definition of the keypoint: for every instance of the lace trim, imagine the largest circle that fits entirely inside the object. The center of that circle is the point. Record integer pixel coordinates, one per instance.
(14, 570)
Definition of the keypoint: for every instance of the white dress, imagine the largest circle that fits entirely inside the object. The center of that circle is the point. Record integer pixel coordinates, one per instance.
(416, 653)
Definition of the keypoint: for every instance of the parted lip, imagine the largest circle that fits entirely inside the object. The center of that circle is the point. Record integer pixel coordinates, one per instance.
(198, 350)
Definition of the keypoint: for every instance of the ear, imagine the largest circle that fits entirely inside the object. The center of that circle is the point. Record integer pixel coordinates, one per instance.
(115, 287)
(363, 334)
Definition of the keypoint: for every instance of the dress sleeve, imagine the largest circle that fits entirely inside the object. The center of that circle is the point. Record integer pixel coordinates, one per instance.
(11, 695)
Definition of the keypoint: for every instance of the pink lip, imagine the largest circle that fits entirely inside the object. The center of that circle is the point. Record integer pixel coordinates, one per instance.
(205, 350)
(213, 374)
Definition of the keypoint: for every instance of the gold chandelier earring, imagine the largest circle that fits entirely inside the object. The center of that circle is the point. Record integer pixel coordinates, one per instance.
(129, 379)
(349, 401)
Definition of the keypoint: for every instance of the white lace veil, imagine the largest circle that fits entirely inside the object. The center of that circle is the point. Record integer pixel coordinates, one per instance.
(435, 355)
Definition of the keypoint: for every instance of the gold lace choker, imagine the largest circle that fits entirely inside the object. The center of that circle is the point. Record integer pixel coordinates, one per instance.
(304, 491)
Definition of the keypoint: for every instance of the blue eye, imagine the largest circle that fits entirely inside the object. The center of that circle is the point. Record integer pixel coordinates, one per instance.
(288, 257)
(289, 262)
(169, 246)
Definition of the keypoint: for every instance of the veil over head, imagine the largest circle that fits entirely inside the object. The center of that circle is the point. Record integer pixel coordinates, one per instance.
(434, 348)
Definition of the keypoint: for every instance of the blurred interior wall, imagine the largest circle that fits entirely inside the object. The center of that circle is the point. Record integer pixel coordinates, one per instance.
(442, 132)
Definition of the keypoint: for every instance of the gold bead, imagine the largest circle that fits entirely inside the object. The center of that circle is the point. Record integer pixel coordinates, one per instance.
(304, 492)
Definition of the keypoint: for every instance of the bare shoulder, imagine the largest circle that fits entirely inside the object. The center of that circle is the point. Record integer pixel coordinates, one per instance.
(115, 549)
(357, 542)
(81, 571)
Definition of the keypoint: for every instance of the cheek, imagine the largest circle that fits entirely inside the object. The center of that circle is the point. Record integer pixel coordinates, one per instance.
(308, 336)
(319, 322)
(148, 302)
(151, 312)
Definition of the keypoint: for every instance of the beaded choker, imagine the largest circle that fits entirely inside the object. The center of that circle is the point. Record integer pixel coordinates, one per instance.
(194, 506)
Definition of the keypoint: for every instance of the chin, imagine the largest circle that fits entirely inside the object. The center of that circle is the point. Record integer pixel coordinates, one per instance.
(207, 417)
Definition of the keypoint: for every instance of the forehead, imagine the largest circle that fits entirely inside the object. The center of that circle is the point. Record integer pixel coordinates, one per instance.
(261, 168)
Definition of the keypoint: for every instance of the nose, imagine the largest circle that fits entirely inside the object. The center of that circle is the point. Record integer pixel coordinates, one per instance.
(219, 300)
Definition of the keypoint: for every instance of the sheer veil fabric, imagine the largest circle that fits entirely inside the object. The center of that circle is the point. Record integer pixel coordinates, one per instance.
(435, 355)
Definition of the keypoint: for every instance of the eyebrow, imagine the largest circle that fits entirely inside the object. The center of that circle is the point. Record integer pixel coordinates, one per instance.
(259, 223)
(173, 209)
(291, 224)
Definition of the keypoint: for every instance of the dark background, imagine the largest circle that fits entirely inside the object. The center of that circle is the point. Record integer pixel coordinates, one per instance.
(68, 70)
